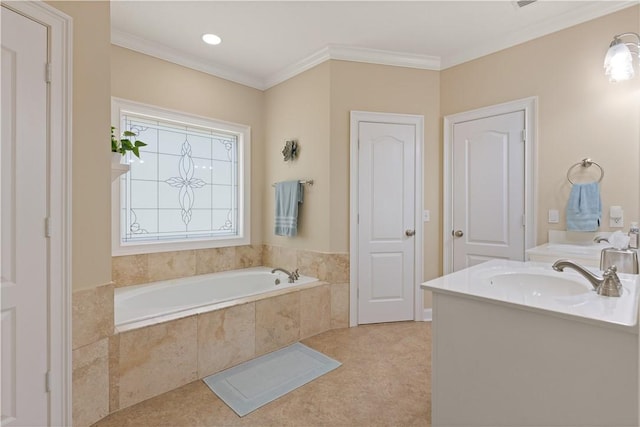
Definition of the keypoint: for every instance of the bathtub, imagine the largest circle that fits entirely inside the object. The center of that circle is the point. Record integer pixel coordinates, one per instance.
(151, 303)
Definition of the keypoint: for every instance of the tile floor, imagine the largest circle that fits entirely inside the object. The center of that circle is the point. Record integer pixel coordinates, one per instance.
(384, 380)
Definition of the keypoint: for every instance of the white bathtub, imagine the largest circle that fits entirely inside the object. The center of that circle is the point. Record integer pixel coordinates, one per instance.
(142, 305)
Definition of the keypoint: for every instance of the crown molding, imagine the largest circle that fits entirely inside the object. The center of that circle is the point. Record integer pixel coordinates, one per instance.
(157, 50)
(372, 56)
(338, 52)
(299, 67)
(557, 23)
(355, 54)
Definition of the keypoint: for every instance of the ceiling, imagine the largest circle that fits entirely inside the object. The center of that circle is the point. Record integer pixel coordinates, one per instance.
(266, 42)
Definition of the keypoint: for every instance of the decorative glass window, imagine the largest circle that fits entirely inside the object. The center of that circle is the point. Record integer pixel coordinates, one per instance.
(188, 189)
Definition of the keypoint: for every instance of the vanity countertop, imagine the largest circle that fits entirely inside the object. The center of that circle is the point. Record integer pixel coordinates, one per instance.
(569, 250)
(537, 286)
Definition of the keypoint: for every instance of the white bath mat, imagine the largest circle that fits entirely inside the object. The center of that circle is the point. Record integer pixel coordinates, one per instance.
(250, 385)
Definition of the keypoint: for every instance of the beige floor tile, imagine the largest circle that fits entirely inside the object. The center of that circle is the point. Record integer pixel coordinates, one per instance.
(384, 380)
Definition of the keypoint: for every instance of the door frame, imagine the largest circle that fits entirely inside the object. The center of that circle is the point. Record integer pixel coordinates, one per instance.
(392, 118)
(530, 108)
(59, 111)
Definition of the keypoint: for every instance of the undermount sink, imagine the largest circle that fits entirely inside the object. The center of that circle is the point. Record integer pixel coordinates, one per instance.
(538, 285)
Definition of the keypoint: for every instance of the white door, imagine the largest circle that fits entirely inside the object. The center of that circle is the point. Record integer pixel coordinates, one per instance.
(386, 240)
(488, 189)
(24, 253)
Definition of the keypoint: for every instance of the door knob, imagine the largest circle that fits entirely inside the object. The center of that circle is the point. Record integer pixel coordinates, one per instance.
(410, 233)
(457, 233)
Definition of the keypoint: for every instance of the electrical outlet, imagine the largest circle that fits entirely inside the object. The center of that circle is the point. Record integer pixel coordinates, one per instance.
(616, 217)
(554, 216)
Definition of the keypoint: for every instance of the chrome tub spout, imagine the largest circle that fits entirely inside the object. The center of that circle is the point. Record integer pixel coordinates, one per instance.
(293, 276)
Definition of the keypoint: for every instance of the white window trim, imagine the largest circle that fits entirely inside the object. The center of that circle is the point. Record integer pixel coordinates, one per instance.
(243, 132)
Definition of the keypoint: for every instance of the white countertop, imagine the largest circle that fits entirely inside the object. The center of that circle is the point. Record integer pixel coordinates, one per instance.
(477, 282)
(570, 250)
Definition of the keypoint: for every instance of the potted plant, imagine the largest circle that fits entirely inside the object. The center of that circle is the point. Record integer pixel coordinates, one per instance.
(119, 147)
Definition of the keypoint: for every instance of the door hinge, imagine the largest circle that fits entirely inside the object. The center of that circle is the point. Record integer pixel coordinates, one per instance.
(47, 72)
(47, 227)
(524, 220)
(47, 382)
(524, 135)
(358, 219)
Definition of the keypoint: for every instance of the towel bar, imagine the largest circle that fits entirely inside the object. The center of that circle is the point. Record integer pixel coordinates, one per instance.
(585, 163)
(302, 181)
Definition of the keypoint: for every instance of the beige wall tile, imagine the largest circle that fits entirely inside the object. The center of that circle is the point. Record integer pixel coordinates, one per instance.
(309, 262)
(157, 359)
(268, 255)
(114, 373)
(279, 256)
(339, 305)
(225, 338)
(215, 259)
(337, 268)
(248, 256)
(171, 265)
(130, 269)
(90, 383)
(315, 310)
(92, 317)
(277, 322)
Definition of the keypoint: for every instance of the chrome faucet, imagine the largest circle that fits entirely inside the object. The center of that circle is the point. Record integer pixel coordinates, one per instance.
(608, 285)
(293, 276)
(600, 239)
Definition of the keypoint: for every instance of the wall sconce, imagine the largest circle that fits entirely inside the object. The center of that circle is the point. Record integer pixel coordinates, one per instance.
(618, 63)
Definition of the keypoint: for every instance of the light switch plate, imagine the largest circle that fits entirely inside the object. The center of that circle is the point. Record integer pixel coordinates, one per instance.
(554, 216)
(426, 216)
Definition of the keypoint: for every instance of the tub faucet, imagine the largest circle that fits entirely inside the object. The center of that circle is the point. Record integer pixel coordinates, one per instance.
(608, 285)
(600, 239)
(293, 276)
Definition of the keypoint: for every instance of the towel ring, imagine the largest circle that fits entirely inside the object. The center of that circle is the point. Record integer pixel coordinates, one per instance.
(585, 163)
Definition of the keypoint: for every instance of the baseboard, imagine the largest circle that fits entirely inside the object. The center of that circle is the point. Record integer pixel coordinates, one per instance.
(428, 315)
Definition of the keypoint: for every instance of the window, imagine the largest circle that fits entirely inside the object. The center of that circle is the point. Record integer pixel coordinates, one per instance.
(190, 187)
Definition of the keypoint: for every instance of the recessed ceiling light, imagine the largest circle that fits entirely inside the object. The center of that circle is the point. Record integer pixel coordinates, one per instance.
(211, 39)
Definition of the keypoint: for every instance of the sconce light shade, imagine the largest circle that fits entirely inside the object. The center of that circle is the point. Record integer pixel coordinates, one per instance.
(618, 63)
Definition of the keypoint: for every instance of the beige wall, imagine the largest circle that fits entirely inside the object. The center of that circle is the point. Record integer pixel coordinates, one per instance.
(91, 185)
(299, 108)
(314, 107)
(580, 113)
(380, 88)
(142, 78)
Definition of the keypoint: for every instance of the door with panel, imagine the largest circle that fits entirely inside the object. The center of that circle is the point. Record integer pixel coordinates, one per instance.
(488, 189)
(24, 207)
(386, 225)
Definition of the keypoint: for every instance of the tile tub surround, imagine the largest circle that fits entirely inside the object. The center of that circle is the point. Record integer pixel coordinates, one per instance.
(92, 322)
(144, 268)
(137, 269)
(152, 360)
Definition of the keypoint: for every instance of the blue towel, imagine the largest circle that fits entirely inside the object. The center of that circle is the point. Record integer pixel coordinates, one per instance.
(288, 195)
(584, 208)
